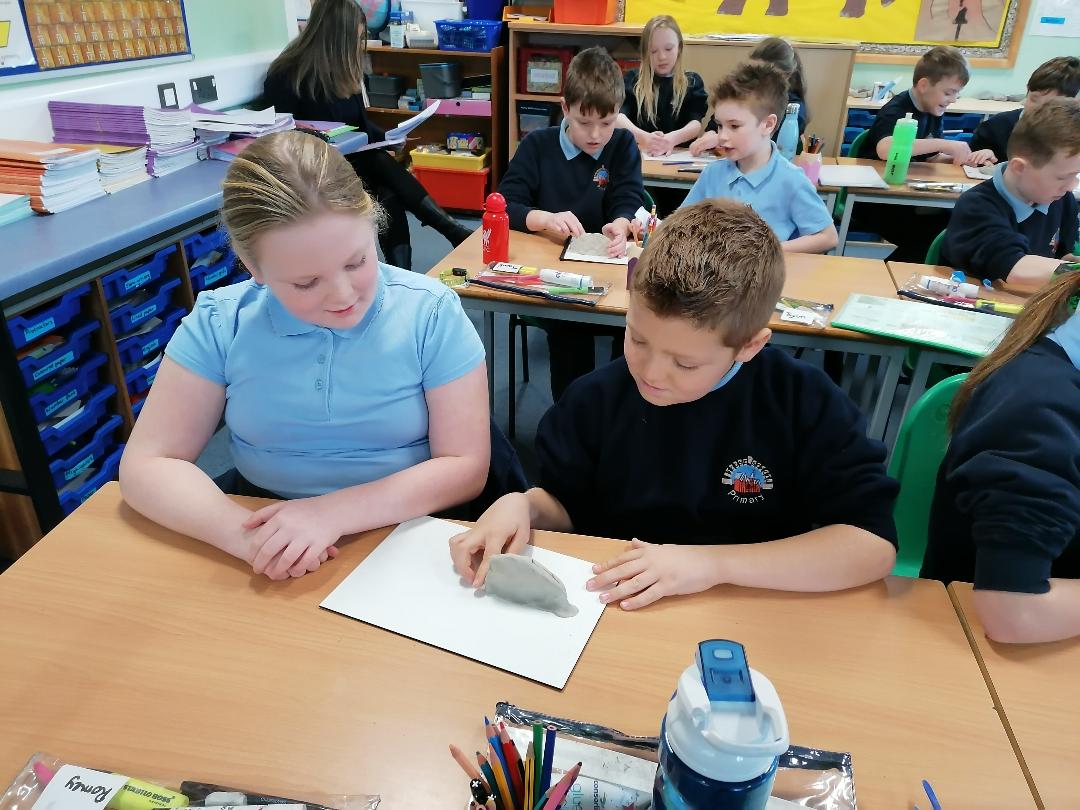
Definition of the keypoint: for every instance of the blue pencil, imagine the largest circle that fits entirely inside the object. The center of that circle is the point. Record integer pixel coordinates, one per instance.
(934, 804)
(549, 757)
(497, 746)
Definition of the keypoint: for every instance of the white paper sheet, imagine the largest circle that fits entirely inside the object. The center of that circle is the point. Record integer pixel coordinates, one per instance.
(979, 172)
(681, 156)
(591, 247)
(408, 586)
(852, 177)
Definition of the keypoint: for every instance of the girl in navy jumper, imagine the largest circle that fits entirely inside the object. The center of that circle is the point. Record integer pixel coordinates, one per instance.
(1006, 513)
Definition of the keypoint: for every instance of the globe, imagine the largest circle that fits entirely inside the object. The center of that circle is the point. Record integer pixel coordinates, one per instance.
(377, 13)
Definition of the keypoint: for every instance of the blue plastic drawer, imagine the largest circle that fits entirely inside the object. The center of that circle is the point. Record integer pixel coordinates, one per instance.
(73, 497)
(861, 119)
(57, 436)
(140, 379)
(125, 281)
(39, 369)
(965, 121)
(70, 384)
(199, 244)
(29, 326)
(66, 469)
(959, 136)
(214, 272)
(129, 315)
(134, 348)
(137, 406)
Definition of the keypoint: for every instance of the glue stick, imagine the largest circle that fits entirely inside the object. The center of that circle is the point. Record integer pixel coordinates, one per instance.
(944, 286)
(564, 279)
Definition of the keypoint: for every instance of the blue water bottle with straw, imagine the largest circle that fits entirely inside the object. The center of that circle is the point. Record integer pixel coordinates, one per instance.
(722, 736)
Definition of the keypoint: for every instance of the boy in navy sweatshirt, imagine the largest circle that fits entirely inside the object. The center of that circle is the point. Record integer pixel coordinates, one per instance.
(733, 462)
(580, 176)
(1059, 76)
(1022, 223)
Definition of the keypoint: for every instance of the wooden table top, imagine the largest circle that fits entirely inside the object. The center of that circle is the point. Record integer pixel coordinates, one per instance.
(826, 279)
(917, 172)
(986, 106)
(1005, 293)
(132, 648)
(656, 170)
(1034, 688)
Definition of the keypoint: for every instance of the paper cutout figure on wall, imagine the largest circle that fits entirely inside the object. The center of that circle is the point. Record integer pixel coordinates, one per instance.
(779, 8)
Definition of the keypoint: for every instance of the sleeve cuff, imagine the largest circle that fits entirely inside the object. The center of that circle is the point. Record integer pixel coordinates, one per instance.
(1008, 568)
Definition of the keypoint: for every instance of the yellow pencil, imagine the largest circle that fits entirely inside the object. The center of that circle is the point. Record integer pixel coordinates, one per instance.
(500, 779)
(530, 766)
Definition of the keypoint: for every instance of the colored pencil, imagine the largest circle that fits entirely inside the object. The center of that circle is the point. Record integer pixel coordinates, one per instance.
(558, 793)
(538, 737)
(549, 757)
(530, 774)
(491, 804)
(489, 774)
(498, 758)
(500, 778)
(470, 770)
(513, 758)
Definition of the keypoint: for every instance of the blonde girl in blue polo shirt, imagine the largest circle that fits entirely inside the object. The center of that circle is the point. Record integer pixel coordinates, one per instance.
(355, 390)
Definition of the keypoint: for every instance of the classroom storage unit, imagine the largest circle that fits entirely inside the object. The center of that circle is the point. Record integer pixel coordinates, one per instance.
(488, 118)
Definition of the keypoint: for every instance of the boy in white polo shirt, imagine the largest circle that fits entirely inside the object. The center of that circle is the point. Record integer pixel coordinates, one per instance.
(747, 105)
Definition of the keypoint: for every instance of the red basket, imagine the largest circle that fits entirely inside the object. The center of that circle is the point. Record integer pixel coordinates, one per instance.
(450, 188)
(585, 12)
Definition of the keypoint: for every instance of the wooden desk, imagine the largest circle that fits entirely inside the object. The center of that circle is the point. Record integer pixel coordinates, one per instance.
(1034, 690)
(826, 279)
(904, 194)
(129, 647)
(962, 105)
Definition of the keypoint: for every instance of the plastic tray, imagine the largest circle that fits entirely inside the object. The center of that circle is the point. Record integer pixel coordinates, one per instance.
(68, 468)
(134, 348)
(38, 369)
(436, 160)
(124, 282)
(468, 35)
(199, 244)
(128, 317)
(137, 406)
(69, 385)
(106, 472)
(210, 275)
(140, 379)
(57, 437)
(29, 326)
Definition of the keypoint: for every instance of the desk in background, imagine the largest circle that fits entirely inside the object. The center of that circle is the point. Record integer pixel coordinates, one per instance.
(978, 106)
(826, 279)
(1034, 691)
(130, 647)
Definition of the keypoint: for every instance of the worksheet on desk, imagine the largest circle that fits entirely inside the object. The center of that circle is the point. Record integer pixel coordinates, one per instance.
(681, 156)
(408, 586)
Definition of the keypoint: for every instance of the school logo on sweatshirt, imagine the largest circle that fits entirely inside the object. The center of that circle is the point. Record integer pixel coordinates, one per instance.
(749, 480)
(601, 177)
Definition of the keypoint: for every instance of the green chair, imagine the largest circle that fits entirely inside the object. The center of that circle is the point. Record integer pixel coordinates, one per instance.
(933, 253)
(649, 201)
(853, 151)
(920, 448)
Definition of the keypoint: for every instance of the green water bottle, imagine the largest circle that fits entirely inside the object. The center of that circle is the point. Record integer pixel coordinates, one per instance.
(903, 139)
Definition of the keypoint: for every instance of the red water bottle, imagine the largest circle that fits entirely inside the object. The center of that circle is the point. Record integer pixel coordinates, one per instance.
(496, 229)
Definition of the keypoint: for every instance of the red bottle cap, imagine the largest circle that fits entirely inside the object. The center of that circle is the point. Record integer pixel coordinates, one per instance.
(495, 202)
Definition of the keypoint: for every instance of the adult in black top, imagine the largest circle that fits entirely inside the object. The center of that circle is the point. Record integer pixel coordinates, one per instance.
(1006, 513)
(318, 77)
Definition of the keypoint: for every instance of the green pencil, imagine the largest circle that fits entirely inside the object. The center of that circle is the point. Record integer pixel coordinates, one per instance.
(538, 758)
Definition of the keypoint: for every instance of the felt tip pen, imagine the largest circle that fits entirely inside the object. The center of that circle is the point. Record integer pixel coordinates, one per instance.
(135, 794)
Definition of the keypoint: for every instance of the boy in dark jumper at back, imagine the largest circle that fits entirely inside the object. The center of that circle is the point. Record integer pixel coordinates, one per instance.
(580, 176)
(735, 462)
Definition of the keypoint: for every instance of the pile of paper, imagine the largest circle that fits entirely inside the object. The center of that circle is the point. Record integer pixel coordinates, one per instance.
(169, 159)
(121, 167)
(14, 207)
(55, 177)
(120, 124)
(228, 150)
(210, 125)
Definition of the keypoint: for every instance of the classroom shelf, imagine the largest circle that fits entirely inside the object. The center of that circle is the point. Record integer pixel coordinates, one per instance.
(427, 52)
(393, 111)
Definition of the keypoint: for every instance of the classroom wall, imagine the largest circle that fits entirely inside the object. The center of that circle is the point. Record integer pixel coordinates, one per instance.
(1033, 52)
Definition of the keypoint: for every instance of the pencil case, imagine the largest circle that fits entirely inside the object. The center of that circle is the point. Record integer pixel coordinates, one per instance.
(67, 468)
(69, 385)
(39, 367)
(57, 435)
(134, 348)
(142, 377)
(125, 281)
(129, 314)
(36, 323)
(72, 497)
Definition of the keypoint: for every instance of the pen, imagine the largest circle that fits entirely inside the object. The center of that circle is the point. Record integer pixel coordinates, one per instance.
(926, 299)
(934, 804)
(536, 293)
(678, 163)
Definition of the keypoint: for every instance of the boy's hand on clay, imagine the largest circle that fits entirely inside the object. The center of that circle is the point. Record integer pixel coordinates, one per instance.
(503, 529)
(616, 233)
(290, 538)
(960, 152)
(564, 223)
(706, 143)
(982, 157)
(648, 572)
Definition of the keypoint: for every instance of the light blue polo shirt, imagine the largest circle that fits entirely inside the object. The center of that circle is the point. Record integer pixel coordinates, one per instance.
(779, 192)
(310, 409)
(1021, 209)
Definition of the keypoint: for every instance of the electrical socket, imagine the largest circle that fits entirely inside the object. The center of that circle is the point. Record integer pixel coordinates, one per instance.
(167, 96)
(203, 90)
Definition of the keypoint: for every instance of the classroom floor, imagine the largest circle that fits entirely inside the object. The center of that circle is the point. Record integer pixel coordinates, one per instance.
(533, 398)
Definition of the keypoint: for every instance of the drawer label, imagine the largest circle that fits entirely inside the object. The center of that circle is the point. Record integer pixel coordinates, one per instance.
(79, 468)
(149, 347)
(144, 313)
(217, 275)
(59, 362)
(58, 404)
(39, 329)
(137, 281)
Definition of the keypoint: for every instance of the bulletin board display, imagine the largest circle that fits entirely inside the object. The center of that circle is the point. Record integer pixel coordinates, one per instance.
(42, 37)
(981, 28)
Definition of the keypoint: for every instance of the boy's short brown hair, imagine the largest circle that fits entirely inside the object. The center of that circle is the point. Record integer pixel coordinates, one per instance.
(761, 86)
(941, 62)
(1052, 127)
(715, 263)
(1060, 75)
(594, 81)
